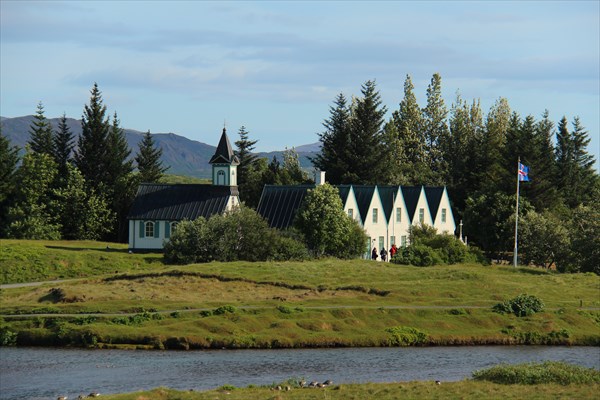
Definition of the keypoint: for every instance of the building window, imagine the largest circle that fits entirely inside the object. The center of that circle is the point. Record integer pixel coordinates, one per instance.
(392, 240)
(421, 215)
(403, 241)
(221, 177)
(381, 242)
(149, 229)
(170, 228)
(351, 213)
(443, 215)
(398, 214)
(374, 215)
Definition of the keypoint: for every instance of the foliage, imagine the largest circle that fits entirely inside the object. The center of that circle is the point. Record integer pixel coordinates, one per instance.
(239, 234)
(406, 336)
(522, 306)
(327, 229)
(539, 373)
(585, 238)
(9, 158)
(543, 240)
(7, 337)
(148, 161)
(30, 216)
(418, 255)
(63, 146)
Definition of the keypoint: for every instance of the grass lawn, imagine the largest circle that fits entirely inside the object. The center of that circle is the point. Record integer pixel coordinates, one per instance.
(293, 304)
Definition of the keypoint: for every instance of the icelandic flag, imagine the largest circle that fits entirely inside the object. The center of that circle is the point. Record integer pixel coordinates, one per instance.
(523, 173)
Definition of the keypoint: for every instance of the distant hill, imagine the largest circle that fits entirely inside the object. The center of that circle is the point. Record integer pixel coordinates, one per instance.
(186, 157)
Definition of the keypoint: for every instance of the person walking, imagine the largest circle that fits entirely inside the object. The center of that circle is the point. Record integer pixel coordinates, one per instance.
(374, 254)
(383, 253)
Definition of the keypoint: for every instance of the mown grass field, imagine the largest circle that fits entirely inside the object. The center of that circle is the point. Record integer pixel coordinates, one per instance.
(134, 298)
(465, 390)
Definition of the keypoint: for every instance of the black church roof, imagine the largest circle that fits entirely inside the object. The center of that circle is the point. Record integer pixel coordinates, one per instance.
(224, 153)
(434, 197)
(180, 201)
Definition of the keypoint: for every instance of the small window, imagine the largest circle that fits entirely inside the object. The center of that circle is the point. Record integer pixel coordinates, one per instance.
(351, 213)
(149, 229)
(173, 226)
(443, 215)
(381, 242)
(421, 215)
(392, 240)
(374, 215)
(403, 241)
(398, 214)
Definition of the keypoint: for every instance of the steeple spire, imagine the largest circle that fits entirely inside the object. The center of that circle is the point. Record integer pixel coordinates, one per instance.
(224, 163)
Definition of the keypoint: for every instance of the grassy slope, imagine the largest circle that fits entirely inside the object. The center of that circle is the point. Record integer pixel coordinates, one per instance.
(465, 390)
(321, 303)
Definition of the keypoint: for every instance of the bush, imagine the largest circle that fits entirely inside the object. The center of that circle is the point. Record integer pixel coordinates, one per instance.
(523, 305)
(406, 336)
(418, 255)
(539, 373)
(7, 337)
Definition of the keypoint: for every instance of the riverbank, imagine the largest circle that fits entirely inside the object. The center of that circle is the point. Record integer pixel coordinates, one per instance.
(465, 390)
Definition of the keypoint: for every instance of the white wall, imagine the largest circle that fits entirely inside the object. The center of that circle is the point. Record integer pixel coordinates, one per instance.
(450, 225)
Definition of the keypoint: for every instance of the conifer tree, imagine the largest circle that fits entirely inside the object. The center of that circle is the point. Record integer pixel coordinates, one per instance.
(491, 166)
(149, 166)
(9, 158)
(409, 125)
(63, 146)
(544, 194)
(92, 150)
(584, 180)
(366, 164)
(247, 159)
(41, 140)
(434, 130)
(335, 140)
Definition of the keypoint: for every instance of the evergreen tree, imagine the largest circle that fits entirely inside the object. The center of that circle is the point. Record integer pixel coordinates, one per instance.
(576, 178)
(460, 151)
(291, 173)
(118, 151)
(41, 140)
(434, 130)
(63, 146)
(491, 165)
(150, 167)
(366, 165)
(543, 193)
(9, 158)
(92, 148)
(394, 155)
(333, 157)
(409, 125)
(245, 146)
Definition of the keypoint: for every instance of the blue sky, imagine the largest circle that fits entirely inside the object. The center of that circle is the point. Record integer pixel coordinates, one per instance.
(276, 66)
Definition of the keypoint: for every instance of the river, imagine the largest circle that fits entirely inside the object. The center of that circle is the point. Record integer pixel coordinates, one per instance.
(44, 373)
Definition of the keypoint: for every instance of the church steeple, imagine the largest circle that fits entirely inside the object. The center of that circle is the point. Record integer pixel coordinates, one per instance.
(224, 163)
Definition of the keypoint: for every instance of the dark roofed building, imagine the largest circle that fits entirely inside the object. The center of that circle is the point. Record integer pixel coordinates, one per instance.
(157, 208)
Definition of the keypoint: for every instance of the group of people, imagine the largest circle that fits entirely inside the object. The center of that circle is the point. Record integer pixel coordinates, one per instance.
(383, 253)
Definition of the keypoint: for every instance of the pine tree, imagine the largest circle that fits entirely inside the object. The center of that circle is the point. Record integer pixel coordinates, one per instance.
(92, 150)
(366, 165)
(247, 159)
(585, 179)
(544, 194)
(491, 165)
(435, 129)
(409, 125)
(149, 166)
(333, 157)
(63, 146)
(118, 151)
(41, 140)
(9, 158)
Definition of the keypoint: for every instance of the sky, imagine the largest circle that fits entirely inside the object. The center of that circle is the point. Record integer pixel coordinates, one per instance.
(275, 67)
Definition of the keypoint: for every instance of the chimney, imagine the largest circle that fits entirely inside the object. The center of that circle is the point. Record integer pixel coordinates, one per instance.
(319, 177)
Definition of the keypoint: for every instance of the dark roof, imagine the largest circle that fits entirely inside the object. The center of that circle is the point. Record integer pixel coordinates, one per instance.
(388, 194)
(344, 192)
(178, 202)
(364, 195)
(279, 204)
(434, 197)
(411, 198)
(224, 153)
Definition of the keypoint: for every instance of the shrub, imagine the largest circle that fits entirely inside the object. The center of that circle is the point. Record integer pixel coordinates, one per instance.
(224, 310)
(406, 336)
(7, 337)
(539, 373)
(523, 305)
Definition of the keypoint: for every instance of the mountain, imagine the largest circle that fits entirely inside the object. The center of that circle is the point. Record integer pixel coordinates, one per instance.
(185, 156)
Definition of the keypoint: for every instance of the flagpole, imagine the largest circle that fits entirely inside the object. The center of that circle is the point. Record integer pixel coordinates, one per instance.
(516, 216)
